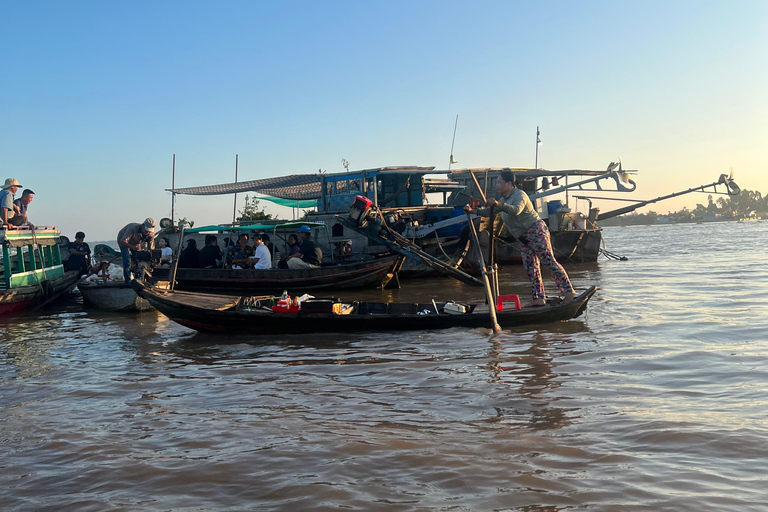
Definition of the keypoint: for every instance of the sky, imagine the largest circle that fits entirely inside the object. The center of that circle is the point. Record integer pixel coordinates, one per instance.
(97, 97)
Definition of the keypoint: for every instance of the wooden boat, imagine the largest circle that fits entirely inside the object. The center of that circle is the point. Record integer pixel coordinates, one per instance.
(226, 314)
(369, 273)
(35, 276)
(114, 296)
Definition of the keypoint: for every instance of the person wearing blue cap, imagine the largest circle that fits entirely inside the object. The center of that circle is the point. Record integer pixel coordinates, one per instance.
(310, 255)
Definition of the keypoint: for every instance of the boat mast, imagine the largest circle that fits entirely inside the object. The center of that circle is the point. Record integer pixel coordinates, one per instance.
(538, 143)
(234, 206)
(452, 160)
(173, 188)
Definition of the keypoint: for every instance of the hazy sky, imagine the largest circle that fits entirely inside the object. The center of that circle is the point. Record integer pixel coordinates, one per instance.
(96, 97)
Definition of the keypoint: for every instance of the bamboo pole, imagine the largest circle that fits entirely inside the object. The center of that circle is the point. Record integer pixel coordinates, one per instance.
(486, 281)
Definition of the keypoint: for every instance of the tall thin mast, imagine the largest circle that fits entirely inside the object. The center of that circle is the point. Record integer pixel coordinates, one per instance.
(234, 206)
(173, 188)
(451, 160)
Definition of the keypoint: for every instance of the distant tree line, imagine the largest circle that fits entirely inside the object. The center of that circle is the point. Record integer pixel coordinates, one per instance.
(723, 208)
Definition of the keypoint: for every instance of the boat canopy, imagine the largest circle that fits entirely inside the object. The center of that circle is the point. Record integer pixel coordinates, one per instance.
(253, 227)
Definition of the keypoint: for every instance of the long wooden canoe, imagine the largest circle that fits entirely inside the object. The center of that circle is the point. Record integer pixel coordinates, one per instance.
(226, 314)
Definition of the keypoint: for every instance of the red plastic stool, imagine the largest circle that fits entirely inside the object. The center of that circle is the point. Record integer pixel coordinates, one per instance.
(501, 299)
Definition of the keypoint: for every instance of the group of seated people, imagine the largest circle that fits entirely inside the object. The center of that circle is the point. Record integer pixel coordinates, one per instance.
(303, 252)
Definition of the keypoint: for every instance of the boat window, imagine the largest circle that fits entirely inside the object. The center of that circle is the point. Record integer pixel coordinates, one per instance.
(337, 230)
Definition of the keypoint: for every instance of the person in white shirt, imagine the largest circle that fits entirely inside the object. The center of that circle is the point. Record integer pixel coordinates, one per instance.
(167, 252)
(261, 259)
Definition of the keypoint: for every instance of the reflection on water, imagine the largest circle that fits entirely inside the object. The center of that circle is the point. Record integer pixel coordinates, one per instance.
(653, 400)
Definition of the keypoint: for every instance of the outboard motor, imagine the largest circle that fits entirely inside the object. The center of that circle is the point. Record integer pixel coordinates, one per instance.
(358, 212)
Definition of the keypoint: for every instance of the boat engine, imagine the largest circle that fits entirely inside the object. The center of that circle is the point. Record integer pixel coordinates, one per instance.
(358, 212)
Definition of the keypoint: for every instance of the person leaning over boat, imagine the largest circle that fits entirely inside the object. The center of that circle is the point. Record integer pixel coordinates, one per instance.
(9, 217)
(21, 205)
(79, 255)
(262, 258)
(211, 255)
(521, 221)
(310, 255)
(239, 255)
(131, 239)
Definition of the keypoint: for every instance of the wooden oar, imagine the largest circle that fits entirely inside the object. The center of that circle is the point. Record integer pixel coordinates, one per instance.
(488, 290)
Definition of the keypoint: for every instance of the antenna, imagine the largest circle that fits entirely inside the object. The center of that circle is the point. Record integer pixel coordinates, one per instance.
(538, 143)
(452, 160)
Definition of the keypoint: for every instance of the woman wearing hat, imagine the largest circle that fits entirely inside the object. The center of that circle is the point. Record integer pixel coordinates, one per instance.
(8, 217)
(522, 222)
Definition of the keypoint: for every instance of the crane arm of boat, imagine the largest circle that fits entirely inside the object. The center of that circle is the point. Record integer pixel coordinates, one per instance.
(622, 179)
(422, 231)
(377, 231)
(731, 189)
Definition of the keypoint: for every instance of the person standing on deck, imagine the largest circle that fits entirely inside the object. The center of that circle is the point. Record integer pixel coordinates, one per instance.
(132, 238)
(521, 221)
(310, 255)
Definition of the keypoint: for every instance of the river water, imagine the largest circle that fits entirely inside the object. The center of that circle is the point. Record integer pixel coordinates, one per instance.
(655, 399)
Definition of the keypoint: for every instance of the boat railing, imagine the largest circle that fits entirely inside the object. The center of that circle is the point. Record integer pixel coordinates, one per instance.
(41, 261)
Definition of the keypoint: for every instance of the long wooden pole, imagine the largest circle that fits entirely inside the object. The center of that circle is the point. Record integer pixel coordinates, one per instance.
(477, 184)
(177, 258)
(486, 281)
(173, 194)
(234, 207)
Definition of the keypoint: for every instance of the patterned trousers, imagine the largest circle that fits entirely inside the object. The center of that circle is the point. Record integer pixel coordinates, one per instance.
(536, 249)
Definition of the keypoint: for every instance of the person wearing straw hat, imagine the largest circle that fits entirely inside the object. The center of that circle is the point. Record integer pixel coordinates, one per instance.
(131, 239)
(9, 217)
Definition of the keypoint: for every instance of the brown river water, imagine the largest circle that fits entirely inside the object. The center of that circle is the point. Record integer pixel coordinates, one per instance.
(654, 400)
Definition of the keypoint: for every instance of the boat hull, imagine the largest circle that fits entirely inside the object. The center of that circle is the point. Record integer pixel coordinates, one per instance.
(224, 314)
(113, 297)
(23, 299)
(369, 273)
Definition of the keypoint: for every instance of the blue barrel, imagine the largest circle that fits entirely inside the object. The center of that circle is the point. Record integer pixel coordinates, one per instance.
(553, 206)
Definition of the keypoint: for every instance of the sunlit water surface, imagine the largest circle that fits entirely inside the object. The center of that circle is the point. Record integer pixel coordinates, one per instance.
(656, 399)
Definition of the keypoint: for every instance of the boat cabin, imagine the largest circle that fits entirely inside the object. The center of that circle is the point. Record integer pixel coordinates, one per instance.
(30, 257)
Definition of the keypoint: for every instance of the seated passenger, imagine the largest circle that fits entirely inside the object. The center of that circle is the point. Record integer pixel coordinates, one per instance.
(268, 242)
(166, 251)
(310, 255)
(261, 258)
(190, 257)
(79, 255)
(211, 255)
(239, 256)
